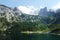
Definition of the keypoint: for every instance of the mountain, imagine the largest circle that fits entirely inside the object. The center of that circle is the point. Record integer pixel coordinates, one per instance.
(6, 12)
(43, 19)
(14, 14)
(11, 14)
(43, 12)
(17, 11)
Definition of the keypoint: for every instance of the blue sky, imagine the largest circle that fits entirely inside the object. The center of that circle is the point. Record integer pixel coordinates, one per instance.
(28, 6)
(36, 3)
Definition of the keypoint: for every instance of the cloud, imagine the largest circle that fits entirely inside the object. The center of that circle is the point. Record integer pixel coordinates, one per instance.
(27, 9)
(42, 6)
(56, 6)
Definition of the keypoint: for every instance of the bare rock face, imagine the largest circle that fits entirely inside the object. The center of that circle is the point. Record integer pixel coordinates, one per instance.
(8, 12)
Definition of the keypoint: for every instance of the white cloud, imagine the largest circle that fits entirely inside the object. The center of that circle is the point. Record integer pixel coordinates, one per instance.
(42, 6)
(32, 7)
(56, 6)
(28, 9)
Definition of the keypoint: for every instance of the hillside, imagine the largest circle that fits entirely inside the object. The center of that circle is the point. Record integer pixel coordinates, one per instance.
(13, 21)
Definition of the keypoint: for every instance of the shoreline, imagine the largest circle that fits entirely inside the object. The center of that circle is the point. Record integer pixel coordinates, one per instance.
(34, 32)
(37, 32)
(54, 34)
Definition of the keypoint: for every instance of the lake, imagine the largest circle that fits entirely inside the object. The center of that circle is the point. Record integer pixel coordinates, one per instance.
(39, 37)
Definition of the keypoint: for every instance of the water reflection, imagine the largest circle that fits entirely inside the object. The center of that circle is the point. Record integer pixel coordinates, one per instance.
(39, 37)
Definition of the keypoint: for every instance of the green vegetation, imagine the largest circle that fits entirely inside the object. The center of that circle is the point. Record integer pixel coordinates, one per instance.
(10, 30)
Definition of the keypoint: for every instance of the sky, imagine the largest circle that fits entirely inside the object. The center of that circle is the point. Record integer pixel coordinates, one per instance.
(32, 5)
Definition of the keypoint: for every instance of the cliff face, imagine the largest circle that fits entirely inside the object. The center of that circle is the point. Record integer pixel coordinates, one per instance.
(6, 12)
(9, 13)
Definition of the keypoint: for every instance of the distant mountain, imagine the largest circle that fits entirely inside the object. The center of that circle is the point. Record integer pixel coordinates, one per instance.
(43, 12)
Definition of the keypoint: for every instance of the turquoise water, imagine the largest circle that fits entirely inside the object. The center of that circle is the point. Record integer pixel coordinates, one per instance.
(39, 37)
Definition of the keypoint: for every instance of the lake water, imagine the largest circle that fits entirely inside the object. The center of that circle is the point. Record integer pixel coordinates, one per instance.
(39, 37)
